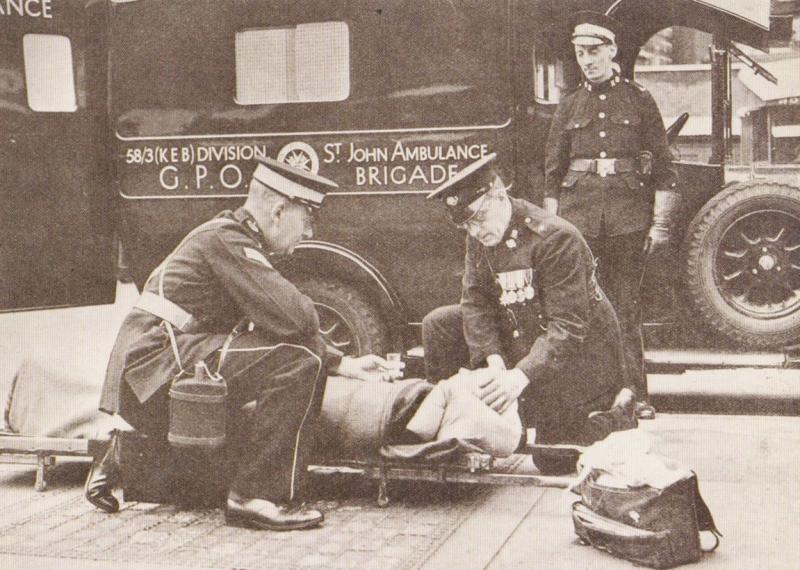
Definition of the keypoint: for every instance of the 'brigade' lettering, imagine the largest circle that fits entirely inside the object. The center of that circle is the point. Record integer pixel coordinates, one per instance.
(29, 8)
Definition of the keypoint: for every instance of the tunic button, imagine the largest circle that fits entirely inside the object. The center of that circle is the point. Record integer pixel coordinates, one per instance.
(603, 154)
(602, 134)
(601, 115)
(515, 334)
(577, 125)
(527, 220)
(602, 96)
(627, 122)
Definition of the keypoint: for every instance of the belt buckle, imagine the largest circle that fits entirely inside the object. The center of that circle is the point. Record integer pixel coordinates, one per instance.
(605, 166)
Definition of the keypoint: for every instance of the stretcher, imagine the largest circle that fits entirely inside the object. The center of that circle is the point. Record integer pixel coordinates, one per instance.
(468, 468)
(357, 421)
(42, 452)
(360, 422)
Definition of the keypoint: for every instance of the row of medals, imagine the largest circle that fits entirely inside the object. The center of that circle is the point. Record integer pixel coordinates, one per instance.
(517, 286)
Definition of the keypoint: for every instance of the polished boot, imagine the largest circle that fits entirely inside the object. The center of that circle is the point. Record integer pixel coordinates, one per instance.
(645, 411)
(266, 515)
(103, 476)
(620, 417)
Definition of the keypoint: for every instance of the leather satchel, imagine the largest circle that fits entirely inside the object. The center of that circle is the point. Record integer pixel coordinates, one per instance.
(659, 528)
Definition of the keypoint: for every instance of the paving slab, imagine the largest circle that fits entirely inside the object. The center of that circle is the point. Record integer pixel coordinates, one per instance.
(746, 466)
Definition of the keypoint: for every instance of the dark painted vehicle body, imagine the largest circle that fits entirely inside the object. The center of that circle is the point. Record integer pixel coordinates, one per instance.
(161, 137)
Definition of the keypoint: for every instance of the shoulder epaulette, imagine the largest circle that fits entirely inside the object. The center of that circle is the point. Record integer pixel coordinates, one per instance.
(540, 225)
(638, 86)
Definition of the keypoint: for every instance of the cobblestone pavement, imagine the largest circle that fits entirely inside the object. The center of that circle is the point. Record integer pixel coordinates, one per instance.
(59, 523)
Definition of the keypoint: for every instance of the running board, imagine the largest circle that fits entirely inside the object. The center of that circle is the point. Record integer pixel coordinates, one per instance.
(670, 360)
(680, 360)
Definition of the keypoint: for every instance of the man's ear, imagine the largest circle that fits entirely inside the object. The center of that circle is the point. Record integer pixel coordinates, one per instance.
(278, 210)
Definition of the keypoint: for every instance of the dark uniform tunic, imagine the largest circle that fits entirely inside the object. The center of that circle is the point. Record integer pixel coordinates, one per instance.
(617, 119)
(534, 300)
(220, 275)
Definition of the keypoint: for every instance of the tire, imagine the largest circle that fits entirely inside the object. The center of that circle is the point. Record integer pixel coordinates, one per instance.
(742, 265)
(348, 319)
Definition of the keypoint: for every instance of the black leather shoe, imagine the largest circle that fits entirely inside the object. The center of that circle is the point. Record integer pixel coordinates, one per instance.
(600, 425)
(645, 411)
(102, 478)
(263, 514)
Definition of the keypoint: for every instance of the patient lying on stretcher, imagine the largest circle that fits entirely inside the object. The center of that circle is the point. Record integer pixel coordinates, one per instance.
(414, 419)
(453, 410)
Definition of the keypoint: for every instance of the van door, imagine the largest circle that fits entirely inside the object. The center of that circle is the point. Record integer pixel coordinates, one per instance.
(55, 216)
(543, 69)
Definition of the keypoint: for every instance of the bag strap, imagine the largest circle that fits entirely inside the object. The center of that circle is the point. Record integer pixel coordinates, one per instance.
(161, 269)
(705, 522)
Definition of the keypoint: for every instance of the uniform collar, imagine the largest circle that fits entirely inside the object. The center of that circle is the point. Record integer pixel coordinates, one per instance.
(604, 86)
(515, 226)
(248, 222)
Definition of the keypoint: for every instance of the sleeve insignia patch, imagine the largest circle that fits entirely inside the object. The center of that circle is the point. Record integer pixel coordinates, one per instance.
(256, 255)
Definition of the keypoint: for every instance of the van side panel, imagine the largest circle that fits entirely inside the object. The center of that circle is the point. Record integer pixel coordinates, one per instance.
(428, 92)
(55, 220)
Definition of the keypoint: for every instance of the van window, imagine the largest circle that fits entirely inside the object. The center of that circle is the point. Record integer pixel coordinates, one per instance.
(49, 78)
(548, 75)
(306, 63)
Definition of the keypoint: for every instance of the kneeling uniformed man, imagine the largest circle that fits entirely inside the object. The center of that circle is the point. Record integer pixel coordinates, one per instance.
(220, 279)
(532, 311)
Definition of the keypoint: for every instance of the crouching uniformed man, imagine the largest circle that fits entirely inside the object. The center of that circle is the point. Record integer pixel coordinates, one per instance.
(532, 311)
(220, 279)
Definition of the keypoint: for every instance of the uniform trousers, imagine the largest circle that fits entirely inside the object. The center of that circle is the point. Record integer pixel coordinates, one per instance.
(270, 445)
(621, 265)
(555, 419)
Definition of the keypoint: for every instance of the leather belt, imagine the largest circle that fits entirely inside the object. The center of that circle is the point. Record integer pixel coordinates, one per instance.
(165, 309)
(603, 166)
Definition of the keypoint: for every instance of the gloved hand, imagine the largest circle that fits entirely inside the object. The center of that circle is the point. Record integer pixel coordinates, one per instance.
(658, 238)
(665, 207)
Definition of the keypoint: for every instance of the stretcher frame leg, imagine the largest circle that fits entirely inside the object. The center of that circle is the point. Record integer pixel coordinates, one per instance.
(42, 451)
(473, 468)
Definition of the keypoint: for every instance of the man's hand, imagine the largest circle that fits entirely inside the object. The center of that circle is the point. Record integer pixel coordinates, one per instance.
(550, 206)
(665, 207)
(370, 368)
(657, 239)
(496, 362)
(501, 389)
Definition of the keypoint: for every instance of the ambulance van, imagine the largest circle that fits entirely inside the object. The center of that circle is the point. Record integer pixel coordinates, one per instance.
(125, 123)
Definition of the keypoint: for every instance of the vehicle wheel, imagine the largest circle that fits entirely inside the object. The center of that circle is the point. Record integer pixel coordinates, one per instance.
(348, 319)
(743, 264)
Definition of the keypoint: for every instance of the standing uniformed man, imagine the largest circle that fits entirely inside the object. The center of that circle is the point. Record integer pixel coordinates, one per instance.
(218, 300)
(608, 170)
(531, 311)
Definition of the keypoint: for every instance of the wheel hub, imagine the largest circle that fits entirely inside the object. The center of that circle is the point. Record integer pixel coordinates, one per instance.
(766, 262)
(757, 270)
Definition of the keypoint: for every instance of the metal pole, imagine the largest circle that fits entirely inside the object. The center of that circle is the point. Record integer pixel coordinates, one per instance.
(719, 96)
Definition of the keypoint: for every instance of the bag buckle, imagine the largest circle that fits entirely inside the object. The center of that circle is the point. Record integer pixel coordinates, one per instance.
(605, 166)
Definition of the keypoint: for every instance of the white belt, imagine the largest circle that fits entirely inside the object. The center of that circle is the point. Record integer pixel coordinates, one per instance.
(165, 309)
